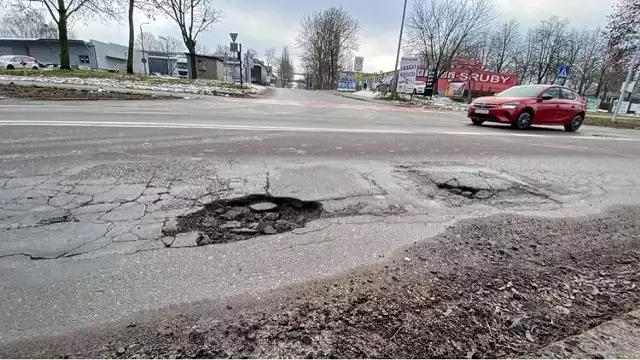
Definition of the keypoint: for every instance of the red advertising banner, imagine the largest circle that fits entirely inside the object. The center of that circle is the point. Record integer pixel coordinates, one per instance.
(478, 80)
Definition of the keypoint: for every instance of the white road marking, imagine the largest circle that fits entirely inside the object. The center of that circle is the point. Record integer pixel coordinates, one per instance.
(167, 125)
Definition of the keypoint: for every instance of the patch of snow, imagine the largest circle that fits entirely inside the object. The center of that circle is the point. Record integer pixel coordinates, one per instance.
(199, 86)
(441, 102)
(365, 94)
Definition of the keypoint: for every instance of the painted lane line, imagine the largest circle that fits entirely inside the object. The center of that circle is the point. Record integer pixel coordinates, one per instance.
(193, 126)
(167, 125)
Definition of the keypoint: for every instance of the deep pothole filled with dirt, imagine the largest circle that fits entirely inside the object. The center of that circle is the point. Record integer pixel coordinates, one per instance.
(242, 218)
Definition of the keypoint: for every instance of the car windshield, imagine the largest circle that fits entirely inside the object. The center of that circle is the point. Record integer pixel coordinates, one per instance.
(522, 91)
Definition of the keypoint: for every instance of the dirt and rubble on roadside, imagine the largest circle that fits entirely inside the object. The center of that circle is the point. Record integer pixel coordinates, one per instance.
(503, 286)
(33, 92)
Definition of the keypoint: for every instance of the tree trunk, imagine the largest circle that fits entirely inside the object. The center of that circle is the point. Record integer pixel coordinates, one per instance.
(193, 70)
(63, 33)
(131, 39)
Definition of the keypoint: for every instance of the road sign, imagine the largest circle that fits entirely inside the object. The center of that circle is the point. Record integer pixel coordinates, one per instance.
(233, 47)
(144, 60)
(357, 63)
(564, 71)
(233, 36)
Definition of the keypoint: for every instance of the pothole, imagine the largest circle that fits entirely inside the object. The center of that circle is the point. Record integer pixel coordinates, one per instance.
(454, 187)
(230, 220)
(475, 185)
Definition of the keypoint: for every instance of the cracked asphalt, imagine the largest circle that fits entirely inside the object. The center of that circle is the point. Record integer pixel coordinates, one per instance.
(85, 191)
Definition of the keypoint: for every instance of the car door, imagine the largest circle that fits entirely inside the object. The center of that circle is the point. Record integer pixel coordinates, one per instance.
(16, 62)
(569, 105)
(549, 111)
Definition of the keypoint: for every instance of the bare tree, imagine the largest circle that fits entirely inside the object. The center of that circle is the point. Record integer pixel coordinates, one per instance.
(171, 45)
(623, 28)
(548, 40)
(64, 11)
(148, 10)
(285, 68)
(588, 60)
(148, 42)
(523, 58)
(327, 39)
(439, 29)
(202, 49)
(504, 42)
(270, 56)
(21, 21)
(193, 17)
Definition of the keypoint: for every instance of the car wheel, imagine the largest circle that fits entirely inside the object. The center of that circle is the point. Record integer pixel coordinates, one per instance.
(10, 67)
(477, 122)
(575, 124)
(523, 121)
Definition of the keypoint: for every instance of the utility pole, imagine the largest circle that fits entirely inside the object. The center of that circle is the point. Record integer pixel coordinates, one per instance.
(144, 60)
(626, 84)
(240, 58)
(395, 69)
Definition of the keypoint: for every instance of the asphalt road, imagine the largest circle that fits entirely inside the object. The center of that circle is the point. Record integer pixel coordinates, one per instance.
(86, 187)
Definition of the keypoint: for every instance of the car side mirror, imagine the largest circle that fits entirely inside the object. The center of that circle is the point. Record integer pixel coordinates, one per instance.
(546, 97)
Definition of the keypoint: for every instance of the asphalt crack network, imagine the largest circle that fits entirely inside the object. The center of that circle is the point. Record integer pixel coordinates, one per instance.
(504, 286)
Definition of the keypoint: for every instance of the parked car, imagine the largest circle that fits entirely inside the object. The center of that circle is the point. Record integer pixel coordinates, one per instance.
(386, 84)
(526, 105)
(418, 87)
(11, 62)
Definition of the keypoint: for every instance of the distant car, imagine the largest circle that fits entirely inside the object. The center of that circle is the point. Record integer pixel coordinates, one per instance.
(386, 84)
(526, 105)
(11, 62)
(418, 87)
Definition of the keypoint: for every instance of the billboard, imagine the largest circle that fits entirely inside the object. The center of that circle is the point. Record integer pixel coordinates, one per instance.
(407, 76)
(483, 81)
(347, 81)
(358, 63)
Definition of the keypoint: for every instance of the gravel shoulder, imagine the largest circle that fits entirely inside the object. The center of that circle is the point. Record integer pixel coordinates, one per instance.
(503, 286)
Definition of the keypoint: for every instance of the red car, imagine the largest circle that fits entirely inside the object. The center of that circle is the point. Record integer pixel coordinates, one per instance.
(526, 105)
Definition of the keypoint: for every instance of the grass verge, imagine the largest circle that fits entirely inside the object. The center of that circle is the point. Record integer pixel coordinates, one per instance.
(621, 122)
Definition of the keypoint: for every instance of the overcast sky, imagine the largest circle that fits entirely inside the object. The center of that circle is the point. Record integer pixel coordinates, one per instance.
(273, 23)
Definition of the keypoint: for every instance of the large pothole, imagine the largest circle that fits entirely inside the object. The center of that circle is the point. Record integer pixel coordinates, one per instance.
(469, 185)
(229, 220)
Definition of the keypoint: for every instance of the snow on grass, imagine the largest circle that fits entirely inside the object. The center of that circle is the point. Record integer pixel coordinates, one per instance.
(366, 94)
(199, 86)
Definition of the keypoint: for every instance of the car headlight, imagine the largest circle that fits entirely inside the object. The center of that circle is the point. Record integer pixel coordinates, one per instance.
(510, 105)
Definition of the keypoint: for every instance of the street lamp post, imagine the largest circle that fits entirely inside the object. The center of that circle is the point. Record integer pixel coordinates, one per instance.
(395, 69)
(169, 67)
(144, 63)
